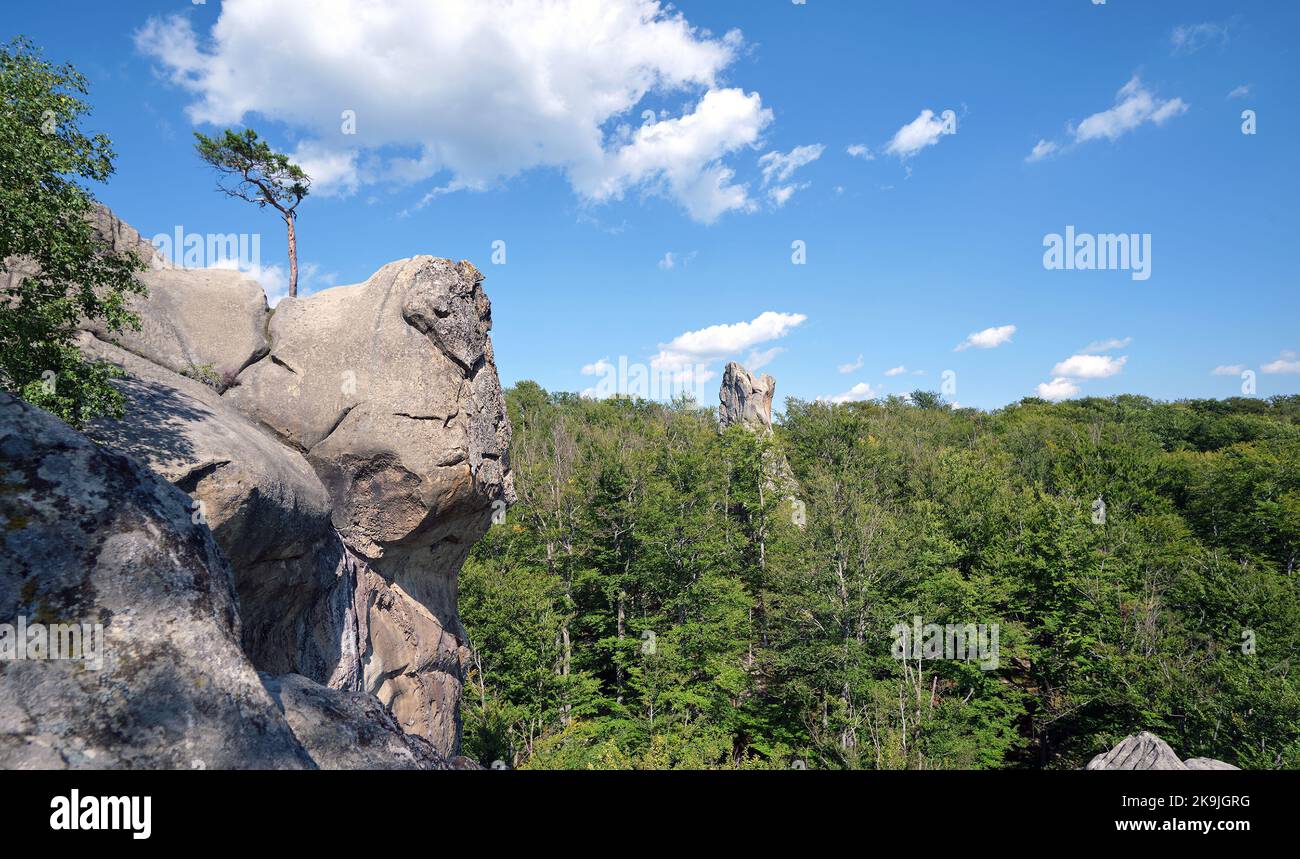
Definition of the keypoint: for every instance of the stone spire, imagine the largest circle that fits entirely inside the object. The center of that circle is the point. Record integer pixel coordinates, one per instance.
(746, 399)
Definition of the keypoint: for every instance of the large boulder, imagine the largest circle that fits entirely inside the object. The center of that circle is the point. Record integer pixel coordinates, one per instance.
(390, 389)
(264, 504)
(1146, 751)
(344, 730)
(89, 536)
(746, 399)
(201, 322)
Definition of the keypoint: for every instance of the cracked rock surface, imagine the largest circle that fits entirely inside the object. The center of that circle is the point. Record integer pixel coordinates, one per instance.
(346, 450)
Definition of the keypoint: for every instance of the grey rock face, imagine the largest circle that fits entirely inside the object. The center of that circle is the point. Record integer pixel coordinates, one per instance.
(90, 536)
(746, 399)
(346, 471)
(390, 389)
(1146, 751)
(192, 320)
(344, 730)
(266, 508)
(1207, 764)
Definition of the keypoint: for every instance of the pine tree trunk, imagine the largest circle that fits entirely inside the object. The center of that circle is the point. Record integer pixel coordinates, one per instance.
(293, 254)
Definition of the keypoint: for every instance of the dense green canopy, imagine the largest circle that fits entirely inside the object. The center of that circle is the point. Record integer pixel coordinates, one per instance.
(649, 603)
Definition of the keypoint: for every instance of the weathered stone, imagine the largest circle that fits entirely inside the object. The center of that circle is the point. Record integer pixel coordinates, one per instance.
(267, 509)
(89, 535)
(345, 730)
(201, 322)
(746, 399)
(1146, 751)
(390, 389)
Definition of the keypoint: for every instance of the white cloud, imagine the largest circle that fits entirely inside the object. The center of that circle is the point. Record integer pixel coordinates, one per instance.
(779, 167)
(989, 338)
(1107, 345)
(921, 132)
(672, 260)
(722, 341)
(758, 360)
(477, 91)
(599, 367)
(274, 279)
(1042, 149)
(861, 150)
(860, 391)
(1286, 363)
(1090, 366)
(1134, 105)
(896, 371)
(1190, 38)
(1058, 389)
(1240, 91)
(853, 365)
(1228, 370)
(782, 193)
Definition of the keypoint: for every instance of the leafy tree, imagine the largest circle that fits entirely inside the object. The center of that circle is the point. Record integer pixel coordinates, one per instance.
(651, 604)
(259, 175)
(57, 272)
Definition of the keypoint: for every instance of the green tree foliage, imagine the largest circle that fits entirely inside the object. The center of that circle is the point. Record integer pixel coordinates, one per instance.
(651, 603)
(54, 270)
(254, 172)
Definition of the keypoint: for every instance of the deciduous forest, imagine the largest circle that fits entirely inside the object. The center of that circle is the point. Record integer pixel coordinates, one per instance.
(654, 600)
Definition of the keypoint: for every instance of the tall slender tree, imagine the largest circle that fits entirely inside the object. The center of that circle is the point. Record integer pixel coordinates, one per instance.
(251, 170)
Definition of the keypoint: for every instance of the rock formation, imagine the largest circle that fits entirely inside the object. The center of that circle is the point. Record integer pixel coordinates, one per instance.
(346, 450)
(90, 536)
(344, 730)
(746, 399)
(1146, 751)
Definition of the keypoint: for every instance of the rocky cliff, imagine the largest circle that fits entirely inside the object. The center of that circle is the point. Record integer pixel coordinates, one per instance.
(345, 451)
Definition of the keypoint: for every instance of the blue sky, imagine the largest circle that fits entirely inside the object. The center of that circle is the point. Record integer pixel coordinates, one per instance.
(500, 121)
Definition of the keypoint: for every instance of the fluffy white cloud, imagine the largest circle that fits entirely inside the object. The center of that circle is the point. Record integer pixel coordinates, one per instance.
(1042, 149)
(1240, 91)
(851, 366)
(477, 91)
(722, 341)
(1228, 370)
(1089, 366)
(860, 150)
(1058, 389)
(1107, 345)
(860, 391)
(921, 132)
(1287, 363)
(1134, 105)
(896, 371)
(987, 339)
